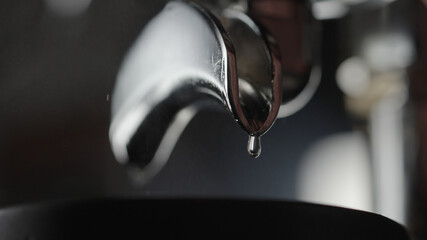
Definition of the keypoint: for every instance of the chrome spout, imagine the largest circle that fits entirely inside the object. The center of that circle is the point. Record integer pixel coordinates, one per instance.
(183, 60)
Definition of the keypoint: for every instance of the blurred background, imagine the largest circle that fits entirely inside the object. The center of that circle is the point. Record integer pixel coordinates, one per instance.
(359, 143)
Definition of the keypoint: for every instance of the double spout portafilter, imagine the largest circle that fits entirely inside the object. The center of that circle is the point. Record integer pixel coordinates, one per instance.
(186, 59)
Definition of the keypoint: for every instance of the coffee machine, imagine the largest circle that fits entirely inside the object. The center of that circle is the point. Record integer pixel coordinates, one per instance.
(170, 99)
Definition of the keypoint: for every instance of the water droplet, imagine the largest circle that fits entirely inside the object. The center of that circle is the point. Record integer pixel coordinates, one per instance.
(254, 146)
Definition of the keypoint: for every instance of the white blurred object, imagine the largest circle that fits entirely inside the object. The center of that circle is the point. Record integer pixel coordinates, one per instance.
(336, 171)
(389, 51)
(68, 8)
(353, 2)
(387, 137)
(353, 77)
(330, 9)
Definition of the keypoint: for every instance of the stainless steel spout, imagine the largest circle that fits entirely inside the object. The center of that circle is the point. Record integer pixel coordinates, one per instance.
(183, 60)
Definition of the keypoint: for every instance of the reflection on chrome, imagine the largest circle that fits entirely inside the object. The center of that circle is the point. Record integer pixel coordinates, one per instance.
(184, 57)
(166, 146)
(297, 103)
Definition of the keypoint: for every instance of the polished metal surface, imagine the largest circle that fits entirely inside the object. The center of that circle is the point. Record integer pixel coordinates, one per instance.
(182, 60)
(298, 36)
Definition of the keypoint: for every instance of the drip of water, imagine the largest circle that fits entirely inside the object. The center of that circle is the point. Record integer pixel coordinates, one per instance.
(254, 146)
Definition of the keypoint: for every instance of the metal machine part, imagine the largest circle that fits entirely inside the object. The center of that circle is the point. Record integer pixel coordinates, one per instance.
(182, 60)
(298, 36)
(185, 58)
